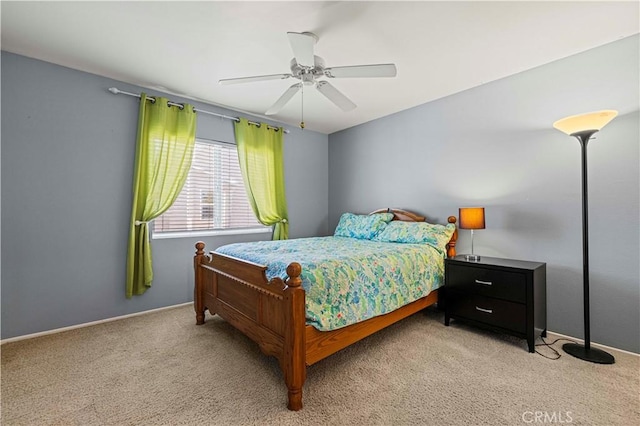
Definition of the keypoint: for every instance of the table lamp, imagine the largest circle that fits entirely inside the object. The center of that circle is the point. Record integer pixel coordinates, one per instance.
(471, 218)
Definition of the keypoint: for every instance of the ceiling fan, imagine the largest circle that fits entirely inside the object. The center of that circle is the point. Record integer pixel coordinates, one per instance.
(309, 69)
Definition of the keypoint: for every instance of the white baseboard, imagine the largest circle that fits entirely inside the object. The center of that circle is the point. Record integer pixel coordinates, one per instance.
(88, 324)
(593, 344)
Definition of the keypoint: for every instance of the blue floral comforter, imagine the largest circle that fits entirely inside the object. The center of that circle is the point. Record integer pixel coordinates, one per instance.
(347, 280)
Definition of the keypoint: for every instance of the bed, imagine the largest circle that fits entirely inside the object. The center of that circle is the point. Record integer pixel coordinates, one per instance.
(272, 310)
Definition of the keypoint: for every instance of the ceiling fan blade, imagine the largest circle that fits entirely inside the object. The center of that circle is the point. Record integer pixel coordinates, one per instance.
(377, 70)
(254, 78)
(302, 46)
(286, 96)
(335, 96)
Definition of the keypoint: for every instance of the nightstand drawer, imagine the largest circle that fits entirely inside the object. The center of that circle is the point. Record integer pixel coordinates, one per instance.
(487, 282)
(495, 312)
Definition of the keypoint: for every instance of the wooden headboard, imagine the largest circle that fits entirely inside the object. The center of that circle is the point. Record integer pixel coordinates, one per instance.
(399, 214)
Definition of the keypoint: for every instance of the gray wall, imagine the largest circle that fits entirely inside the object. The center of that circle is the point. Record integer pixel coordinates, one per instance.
(68, 147)
(494, 146)
(67, 164)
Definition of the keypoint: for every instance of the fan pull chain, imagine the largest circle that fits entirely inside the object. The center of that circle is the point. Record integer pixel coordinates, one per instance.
(302, 108)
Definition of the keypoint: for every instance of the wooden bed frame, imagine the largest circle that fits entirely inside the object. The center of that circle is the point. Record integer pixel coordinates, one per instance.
(272, 312)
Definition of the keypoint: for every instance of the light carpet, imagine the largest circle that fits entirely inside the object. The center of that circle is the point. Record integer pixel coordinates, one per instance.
(162, 369)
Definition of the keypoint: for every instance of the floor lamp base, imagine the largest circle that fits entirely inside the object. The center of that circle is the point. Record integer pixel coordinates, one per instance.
(592, 354)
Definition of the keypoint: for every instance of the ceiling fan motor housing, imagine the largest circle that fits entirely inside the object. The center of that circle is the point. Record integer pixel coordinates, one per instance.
(307, 74)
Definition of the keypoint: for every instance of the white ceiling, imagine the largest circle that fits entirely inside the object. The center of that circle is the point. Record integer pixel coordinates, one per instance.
(184, 48)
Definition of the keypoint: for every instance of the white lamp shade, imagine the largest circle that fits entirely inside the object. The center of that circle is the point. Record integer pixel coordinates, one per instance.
(589, 121)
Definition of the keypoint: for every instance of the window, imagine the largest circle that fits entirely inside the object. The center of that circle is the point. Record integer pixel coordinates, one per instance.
(213, 199)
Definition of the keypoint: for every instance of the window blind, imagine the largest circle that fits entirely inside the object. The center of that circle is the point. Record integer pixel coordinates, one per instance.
(213, 197)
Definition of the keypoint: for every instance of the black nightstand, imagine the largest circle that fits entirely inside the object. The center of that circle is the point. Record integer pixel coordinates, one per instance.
(502, 294)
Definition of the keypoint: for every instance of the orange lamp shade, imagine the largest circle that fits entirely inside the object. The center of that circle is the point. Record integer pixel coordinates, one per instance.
(472, 218)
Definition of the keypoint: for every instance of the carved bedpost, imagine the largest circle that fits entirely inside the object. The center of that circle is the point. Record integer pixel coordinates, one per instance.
(294, 364)
(197, 288)
(451, 247)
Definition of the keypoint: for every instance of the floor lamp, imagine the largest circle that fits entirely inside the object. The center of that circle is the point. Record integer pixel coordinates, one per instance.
(583, 127)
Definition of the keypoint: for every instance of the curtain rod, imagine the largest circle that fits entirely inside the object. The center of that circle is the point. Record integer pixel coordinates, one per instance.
(117, 91)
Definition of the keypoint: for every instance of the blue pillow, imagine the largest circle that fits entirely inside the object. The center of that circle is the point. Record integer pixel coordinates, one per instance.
(364, 227)
(417, 233)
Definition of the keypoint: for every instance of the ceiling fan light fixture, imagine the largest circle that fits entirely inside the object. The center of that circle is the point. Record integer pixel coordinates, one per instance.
(308, 79)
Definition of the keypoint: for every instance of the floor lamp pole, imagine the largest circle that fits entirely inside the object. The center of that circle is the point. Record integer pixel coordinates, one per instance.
(585, 240)
(586, 352)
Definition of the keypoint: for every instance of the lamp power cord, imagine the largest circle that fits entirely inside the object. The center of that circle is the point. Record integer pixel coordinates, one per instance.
(556, 353)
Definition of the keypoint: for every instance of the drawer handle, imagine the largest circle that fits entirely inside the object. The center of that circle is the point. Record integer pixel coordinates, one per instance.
(484, 282)
(488, 311)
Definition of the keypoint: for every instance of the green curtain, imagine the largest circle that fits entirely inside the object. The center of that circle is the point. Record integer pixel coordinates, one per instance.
(164, 149)
(262, 166)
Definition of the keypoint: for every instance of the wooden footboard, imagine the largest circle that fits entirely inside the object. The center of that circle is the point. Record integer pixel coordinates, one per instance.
(269, 312)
